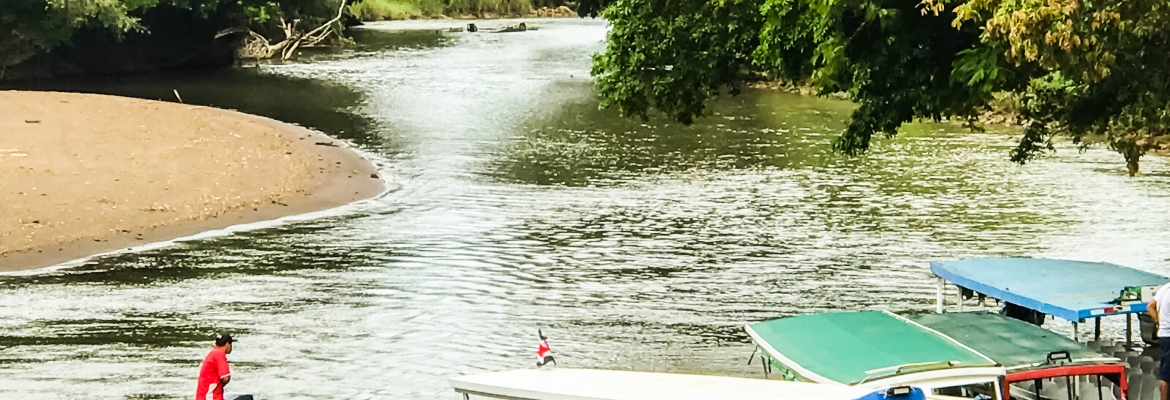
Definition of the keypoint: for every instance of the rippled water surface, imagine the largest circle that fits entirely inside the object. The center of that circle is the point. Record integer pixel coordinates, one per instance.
(519, 205)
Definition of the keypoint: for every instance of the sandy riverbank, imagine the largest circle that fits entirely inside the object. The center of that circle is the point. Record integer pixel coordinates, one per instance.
(83, 174)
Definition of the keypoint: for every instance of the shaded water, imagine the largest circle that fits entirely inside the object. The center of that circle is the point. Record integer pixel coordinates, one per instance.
(641, 245)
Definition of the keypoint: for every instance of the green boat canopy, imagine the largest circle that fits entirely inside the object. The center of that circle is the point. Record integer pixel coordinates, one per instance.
(1015, 344)
(857, 346)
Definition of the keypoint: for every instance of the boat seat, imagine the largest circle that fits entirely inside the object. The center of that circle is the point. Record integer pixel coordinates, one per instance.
(1089, 392)
(1126, 354)
(1152, 352)
(1135, 387)
(1108, 384)
(1149, 389)
(1148, 367)
(1054, 392)
(1112, 348)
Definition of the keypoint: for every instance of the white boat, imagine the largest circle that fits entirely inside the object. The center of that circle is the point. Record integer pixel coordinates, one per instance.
(593, 384)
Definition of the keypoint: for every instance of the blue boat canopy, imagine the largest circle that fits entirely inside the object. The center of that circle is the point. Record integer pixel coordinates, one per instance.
(1072, 290)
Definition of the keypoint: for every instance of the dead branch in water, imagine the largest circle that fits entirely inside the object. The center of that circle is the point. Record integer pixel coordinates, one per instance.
(257, 46)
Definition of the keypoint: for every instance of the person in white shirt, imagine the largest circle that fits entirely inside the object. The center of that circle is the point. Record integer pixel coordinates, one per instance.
(1161, 316)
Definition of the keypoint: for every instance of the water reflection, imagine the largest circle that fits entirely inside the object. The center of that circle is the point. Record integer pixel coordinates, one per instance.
(372, 39)
(579, 144)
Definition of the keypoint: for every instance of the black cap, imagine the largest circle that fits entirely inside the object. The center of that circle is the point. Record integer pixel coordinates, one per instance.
(223, 338)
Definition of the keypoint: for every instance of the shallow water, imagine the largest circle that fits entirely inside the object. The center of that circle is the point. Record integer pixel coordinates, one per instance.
(640, 245)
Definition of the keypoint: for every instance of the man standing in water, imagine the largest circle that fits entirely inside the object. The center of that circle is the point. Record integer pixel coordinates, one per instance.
(1161, 316)
(214, 373)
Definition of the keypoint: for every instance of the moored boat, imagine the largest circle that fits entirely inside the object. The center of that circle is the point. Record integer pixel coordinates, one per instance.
(1032, 289)
(594, 384)
(1039, 362)
(872, 349)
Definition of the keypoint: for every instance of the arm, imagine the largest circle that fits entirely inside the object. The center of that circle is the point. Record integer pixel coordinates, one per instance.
(225, 372)
(1152, 308)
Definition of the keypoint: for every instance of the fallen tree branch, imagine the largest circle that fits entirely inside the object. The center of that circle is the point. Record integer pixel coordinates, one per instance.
(257, 46)
(229, 31)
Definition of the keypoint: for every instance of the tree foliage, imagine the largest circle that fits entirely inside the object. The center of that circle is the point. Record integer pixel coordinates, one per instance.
(676, 55)
(1080, 68)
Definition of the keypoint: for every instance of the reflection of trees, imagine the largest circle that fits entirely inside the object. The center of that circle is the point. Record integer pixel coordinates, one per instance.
(132, 328)
(939, 182)
(316, 104)
(579, 145)
(255, 253)
(377, 40)
(941, 185)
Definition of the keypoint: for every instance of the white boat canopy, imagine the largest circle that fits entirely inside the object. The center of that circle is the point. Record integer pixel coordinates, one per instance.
(592, 384)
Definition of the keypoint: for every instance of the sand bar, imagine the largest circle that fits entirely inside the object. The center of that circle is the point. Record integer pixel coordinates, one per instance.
(83, 174)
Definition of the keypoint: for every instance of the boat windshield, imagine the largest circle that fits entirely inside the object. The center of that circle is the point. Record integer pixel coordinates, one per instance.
(980, 391)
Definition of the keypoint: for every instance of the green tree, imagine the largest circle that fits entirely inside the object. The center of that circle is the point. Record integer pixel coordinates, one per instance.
(1079, 69)
(30, 26)
(674, 55)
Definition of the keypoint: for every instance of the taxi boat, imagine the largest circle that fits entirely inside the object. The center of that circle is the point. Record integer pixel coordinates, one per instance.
(1040, 364)
(1034, 289)
(872, 349)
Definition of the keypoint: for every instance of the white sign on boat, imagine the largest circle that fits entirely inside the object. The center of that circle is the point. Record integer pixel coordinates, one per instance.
(592, 384)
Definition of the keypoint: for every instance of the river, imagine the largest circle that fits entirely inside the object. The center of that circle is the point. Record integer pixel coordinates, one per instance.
(518, 206)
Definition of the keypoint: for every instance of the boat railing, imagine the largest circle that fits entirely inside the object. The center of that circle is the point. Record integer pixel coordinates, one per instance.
(907, 368)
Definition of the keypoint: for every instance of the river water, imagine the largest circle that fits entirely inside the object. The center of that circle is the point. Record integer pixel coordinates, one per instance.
(518, 206)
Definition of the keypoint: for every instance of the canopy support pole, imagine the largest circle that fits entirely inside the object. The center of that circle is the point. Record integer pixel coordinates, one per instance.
(1128, 331)
(959, 299)
(938, 302)
(1097, 328)
(1074, 332)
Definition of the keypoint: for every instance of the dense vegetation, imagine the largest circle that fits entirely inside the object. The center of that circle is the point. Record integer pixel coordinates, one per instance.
(1078, 68)
(132, 35)
(49, 36)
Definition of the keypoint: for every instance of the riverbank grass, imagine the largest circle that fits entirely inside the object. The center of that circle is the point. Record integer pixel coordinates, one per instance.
(382, 10)
(489, 7)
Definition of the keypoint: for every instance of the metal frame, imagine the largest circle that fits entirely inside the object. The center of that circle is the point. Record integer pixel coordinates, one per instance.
(940, 308)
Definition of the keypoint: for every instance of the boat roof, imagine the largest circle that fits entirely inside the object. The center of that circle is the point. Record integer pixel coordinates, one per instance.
(1073, 290)
(594, 384)
(1015, 344)
(858, 346)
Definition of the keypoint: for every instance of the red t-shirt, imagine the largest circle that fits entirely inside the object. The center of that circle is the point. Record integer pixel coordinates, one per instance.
(215, 366)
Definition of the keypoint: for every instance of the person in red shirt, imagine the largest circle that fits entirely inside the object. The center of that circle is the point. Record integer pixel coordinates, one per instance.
(214, 373)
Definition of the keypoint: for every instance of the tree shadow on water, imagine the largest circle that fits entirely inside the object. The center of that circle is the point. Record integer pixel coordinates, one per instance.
(580, 145)
(253, 253)
(328, 107)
